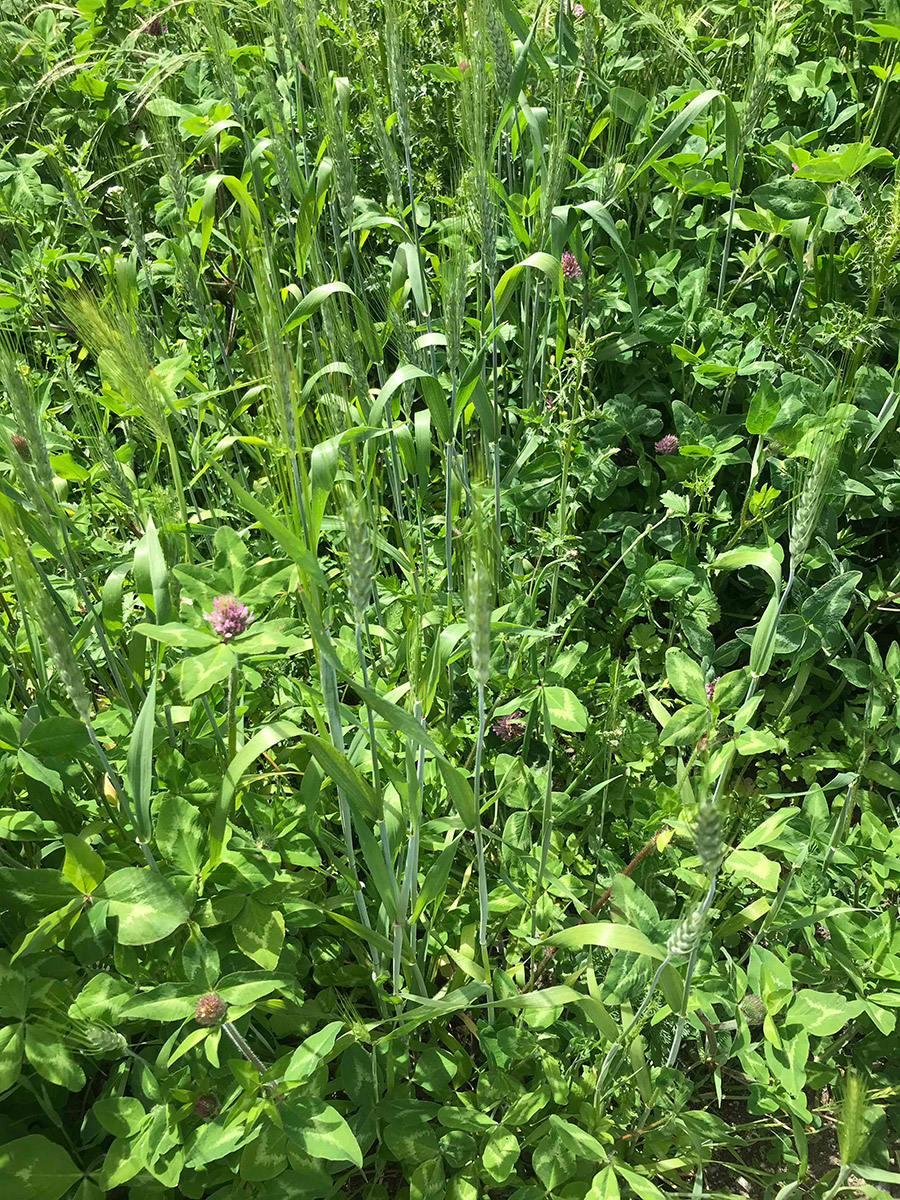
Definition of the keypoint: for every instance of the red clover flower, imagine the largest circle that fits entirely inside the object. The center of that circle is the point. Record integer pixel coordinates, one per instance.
(210, 1009)
(229, 617)
(570, 267)
(667, 444)
(509, 727)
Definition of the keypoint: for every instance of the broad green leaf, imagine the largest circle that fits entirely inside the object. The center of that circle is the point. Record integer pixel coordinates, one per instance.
(685, 676)
(640, 1184)
(581, 1143)
(312, 1052)
(553, 1162)
(758, 741)
(214, 1140)
(755, 867)
(500, 1154)
(764, 408)
(174, 633)
(822, 1013)
(40, 772)
(50, 930)
(604, 1186)
(259, 933)
(179, 834)
(320, 1130)
(34, 1168)
(565, 709)
(122, 1116)
(148, 907)
(557, 996)
(685, 726)
(46, 1052)
(769, 830)
(168, 1002)
(790, 198)
(12, 1051)
(197, 674)
(668, 579)
(83, 866)
(265, 1157)
(35, 888)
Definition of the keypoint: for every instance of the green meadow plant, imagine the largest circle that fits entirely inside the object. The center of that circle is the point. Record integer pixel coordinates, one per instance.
(449, 690)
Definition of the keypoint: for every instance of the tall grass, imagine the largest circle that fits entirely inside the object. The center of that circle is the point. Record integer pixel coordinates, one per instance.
(349, 343)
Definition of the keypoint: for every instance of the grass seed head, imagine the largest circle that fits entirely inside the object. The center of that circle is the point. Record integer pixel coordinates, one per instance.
(478, 614)
(686, 935)
(708, 835)
(361, 573)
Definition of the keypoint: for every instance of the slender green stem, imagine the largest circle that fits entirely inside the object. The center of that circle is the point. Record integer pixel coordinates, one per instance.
(233, 686)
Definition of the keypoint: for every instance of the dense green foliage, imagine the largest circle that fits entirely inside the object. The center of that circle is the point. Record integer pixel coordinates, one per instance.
(449, 699)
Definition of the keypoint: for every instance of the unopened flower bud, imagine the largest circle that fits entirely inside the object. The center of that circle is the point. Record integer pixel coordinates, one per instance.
(210, 1009)
(207, 1106)
(754, 1009)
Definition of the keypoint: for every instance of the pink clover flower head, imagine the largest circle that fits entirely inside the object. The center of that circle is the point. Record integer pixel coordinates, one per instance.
(667, 444)
(463, 64)
(210, 1009)
(510, 726)
(229, 617)
(711, 687)
(570, 267)
(578, 10)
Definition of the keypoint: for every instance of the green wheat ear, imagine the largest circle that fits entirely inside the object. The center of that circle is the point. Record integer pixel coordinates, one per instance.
(811, 499)
(851, 1118)
(29, 443)
(361, 574)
